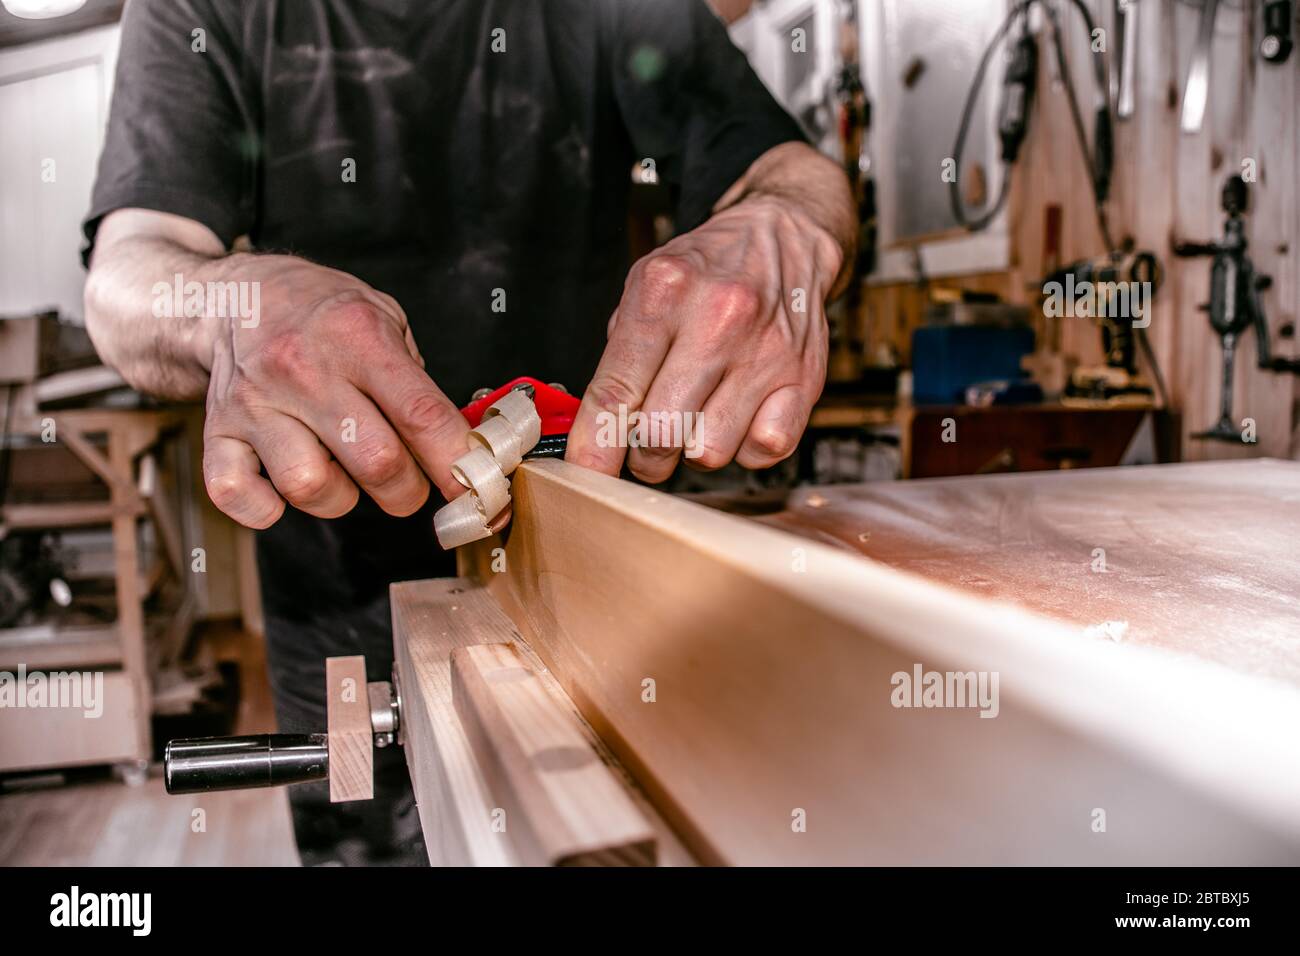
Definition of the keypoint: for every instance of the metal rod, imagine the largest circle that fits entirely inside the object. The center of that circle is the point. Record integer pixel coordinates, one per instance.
(236, 763)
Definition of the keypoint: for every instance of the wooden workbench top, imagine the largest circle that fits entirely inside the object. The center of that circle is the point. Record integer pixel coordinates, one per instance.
(1198, 558)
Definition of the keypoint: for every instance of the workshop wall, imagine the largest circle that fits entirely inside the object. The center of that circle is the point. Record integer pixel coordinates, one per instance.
(1166, 189)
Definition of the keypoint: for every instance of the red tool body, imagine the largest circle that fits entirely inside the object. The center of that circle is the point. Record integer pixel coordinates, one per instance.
(557, 409)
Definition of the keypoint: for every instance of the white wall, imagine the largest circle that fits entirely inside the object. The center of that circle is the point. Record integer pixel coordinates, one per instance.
(53, 109)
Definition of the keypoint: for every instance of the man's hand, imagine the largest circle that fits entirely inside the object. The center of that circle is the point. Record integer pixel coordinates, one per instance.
(727, 321)
(324, 386)
(328, 392)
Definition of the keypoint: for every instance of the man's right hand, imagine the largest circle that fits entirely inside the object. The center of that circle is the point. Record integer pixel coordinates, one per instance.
(325, 390)
(328, 393)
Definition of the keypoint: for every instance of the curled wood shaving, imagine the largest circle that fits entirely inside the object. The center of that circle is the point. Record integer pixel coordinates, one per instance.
(509, 430)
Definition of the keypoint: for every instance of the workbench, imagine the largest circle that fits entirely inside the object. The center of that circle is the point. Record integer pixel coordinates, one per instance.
(122, 449)
(738, 675)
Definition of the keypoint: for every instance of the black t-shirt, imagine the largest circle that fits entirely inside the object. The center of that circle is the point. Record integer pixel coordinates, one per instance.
(475, 170)
(490, 143)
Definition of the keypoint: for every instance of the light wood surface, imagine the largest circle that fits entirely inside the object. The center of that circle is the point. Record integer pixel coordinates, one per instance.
(351, 738)
(103, 822)
(106, 823)
(430, 620)
(128, 434)
(67, 736)
(1200, 559)
(773, 660)
(562, 805)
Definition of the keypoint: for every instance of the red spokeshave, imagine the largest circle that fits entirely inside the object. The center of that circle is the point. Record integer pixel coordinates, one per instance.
(556, 407)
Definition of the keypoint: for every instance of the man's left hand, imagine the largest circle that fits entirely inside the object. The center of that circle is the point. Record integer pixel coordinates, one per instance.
(726, 321)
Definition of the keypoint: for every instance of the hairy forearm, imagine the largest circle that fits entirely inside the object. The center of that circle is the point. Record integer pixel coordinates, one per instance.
(157, 348)
(804, 177)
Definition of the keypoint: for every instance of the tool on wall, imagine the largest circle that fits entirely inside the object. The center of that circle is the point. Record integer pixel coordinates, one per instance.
(1235, 304)
(855, 127)
(1018, 87)
(1123, 79)
(1122, 285)
(1196, 92)
(522, 419)
(1279, 18)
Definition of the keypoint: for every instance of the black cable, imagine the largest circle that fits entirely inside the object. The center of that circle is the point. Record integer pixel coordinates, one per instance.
(1020, 9)
(1100, 158)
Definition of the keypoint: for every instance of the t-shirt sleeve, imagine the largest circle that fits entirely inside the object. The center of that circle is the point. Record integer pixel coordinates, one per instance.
(179, 135)
(690, 100)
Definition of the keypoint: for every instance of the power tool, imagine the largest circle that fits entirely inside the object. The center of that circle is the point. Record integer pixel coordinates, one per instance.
(1120, 287)
(1235, 304)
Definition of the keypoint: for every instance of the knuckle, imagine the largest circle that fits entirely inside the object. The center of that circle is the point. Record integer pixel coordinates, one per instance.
(380, 463)
(357, 317)
(428, 413)
(307, 482)
(770, 442)
(660, 278)
(228, 491)
(708, 457)
(656, 452)
(285, 357)
(242, 396)
(609, 391)
(651, 470)
(734, 303)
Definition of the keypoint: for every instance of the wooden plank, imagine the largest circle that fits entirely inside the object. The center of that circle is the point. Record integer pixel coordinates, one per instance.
(50, 647)
(103, 729)
(94, 459)
(430, 620)
(351, 739)
(747, 678)
(1196, 559)
(126, 573)
(562, 805)
(62, 514)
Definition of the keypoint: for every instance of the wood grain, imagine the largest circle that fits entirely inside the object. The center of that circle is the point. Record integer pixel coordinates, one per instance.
(430, 620)
(1197, 559)
(351, 738)
(562, 805)
(772, 660)
(110, 824)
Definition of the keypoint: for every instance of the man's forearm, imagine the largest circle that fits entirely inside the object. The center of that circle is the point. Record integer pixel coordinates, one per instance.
(799, 174)
(145, 334)
(160, 354)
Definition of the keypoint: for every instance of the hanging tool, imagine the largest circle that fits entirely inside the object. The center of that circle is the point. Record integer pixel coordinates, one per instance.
(1018, 87)
(1123, 79)
(1119, 336)
(1235, 304)
(1279, 15)
(1196, 93)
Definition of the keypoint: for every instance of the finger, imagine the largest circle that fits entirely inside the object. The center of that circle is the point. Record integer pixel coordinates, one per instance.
(774, 433)
(640, 334)
(671, 409)
(371, 452)
(301, 468)
(622, 378)
(232, 476)
(501, 520)
(424, 418)
(723, 423)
